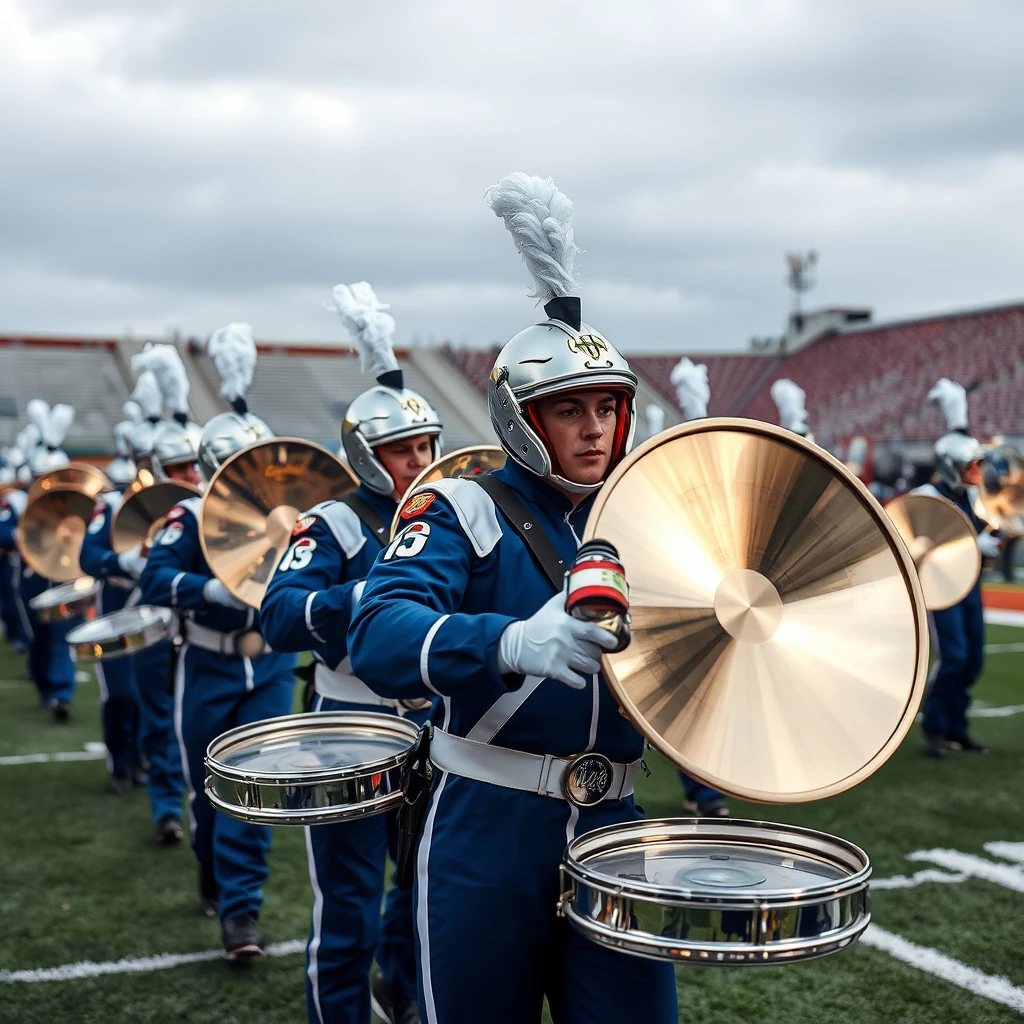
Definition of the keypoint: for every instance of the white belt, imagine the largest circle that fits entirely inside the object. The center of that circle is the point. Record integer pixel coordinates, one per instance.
(340, 685)
(220, 643)
(565, 778)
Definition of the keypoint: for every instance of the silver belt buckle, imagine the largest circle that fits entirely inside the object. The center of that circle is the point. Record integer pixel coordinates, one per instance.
(249, 643)
(587, 779)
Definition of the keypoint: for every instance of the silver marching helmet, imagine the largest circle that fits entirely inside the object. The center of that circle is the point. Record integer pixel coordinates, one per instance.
(388, 412)
(561, 354)
(174, 443)
(954, 453)
(227, 433)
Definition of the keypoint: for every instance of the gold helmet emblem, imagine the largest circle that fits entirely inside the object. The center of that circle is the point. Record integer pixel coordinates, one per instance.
(415, 406)
(590, 345)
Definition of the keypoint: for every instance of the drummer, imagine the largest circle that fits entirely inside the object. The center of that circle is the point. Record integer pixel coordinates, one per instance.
(50, 663)
(116, 573)
(458, 606)
(165, 782)
(390, 434)
(219, 684)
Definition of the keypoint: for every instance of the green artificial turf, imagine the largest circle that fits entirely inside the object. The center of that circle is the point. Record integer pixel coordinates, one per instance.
(82, 879)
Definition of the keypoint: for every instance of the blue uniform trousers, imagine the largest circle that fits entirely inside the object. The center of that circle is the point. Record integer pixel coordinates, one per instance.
(346, 870)
(212, 695)
(13, 630)
(157, 740)
(697, 791)
(491, 945)
(958, 634)
(49, 657)
(118, 706)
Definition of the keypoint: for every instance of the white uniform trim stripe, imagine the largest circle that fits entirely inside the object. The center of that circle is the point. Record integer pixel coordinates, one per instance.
(313, 947)
(425, 653)
(179, 697)
(423, 905)
(309, 617)
(250, 681)
(174, 587)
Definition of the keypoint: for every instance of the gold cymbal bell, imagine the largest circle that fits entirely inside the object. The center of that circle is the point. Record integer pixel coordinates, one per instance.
(143, 511)
(51, 530)
(780, 643)
(942, 543)
(253, 502)
(475, 460)
(79, 475)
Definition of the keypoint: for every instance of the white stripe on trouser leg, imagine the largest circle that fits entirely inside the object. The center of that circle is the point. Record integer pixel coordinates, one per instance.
(179, 700)
(104, 697)
(313, 949)
(423, 906)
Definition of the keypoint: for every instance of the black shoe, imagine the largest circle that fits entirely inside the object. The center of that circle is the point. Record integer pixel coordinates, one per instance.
(716, 807)
(390, 1005)
(966, 744)
(61, 711)
(241, 937)
(169, 833)
(209, 893)
(935, 745)
(121, 784)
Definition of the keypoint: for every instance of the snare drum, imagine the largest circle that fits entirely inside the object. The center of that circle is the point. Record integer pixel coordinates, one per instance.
(310, 769)
(716, 891)
(68, 601)
(122, 633)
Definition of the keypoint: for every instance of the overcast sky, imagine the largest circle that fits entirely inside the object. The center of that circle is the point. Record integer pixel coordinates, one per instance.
(192, 162)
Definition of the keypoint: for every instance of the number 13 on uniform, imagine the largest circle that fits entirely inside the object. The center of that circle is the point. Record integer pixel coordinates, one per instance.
(411, 541)
(298, 555)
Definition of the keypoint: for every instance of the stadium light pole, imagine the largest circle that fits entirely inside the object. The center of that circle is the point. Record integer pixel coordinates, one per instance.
(800, 279)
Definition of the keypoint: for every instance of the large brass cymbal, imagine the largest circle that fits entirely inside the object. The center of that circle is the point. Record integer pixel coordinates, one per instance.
(780, 642)
(1001, 492)
(252, 503)
(475, 460)
(51, 530)
(79, 475)
(141, 514)
(942, 543)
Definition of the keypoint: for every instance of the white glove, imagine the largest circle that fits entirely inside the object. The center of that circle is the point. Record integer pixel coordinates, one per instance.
(214, 592)
(132, 562)
(553, 645)
(989, 544)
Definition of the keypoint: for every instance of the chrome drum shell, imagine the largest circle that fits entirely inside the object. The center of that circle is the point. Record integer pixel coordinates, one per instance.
(67, 601)
(122, 633)
(300, 769)
(730, 921)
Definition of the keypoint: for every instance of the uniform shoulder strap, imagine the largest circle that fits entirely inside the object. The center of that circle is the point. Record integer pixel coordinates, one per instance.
(367, 516)
(540, 545)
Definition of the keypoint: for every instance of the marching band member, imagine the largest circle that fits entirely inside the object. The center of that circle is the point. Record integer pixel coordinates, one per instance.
(226, 675)
(458, 607)
(11, 506)
(165, 781)
(693, 393)
(390, 434)
(958, 633)
(116, 573)
(51, 665)
(791, 401)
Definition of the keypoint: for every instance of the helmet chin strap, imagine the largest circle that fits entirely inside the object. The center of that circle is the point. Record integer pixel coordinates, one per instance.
(572, 487)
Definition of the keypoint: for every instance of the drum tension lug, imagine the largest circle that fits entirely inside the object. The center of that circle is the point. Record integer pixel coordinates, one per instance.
(566, 897)
(644, 768)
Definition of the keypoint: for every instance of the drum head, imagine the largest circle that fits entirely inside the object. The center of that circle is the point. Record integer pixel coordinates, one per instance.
(68, 601)
(122, 633)
(717, 890)
(780, 640)
(309, 769)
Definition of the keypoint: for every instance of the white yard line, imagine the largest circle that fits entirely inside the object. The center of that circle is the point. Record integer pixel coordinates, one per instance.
(1004, 648)
(135, 965)
(1004, 617)
(931, 961)
(67, 755)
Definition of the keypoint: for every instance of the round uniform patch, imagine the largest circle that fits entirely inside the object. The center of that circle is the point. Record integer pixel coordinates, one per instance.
(176, 513)
(171, 534)
(418, 504)
(304, 523)
(96, 523)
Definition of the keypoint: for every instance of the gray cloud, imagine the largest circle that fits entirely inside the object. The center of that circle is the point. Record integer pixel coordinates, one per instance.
(192, 163)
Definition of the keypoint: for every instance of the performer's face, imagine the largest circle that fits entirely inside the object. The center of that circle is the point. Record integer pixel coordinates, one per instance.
(972, 474)
(185, 473)
(406, 459)
(580, 429)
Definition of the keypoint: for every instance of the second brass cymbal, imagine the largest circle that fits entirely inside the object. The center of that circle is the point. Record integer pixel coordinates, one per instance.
(780, 643)
(78, 475)
(51, 531)
(942, 543)
(142, 512)
(253, 502)
(475, 460)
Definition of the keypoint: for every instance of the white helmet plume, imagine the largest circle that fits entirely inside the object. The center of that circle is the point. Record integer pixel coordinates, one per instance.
(952, 399)
(165, 362)
(123, 430)
(28, 440)
(655, 417)
(53, 423)
(371, 328)
(791, 401)
(132, 412)
(148, 397)
(234, 353)
(692, 389)
(540, 220)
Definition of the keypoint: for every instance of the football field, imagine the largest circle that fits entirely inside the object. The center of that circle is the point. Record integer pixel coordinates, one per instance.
(99, 924)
